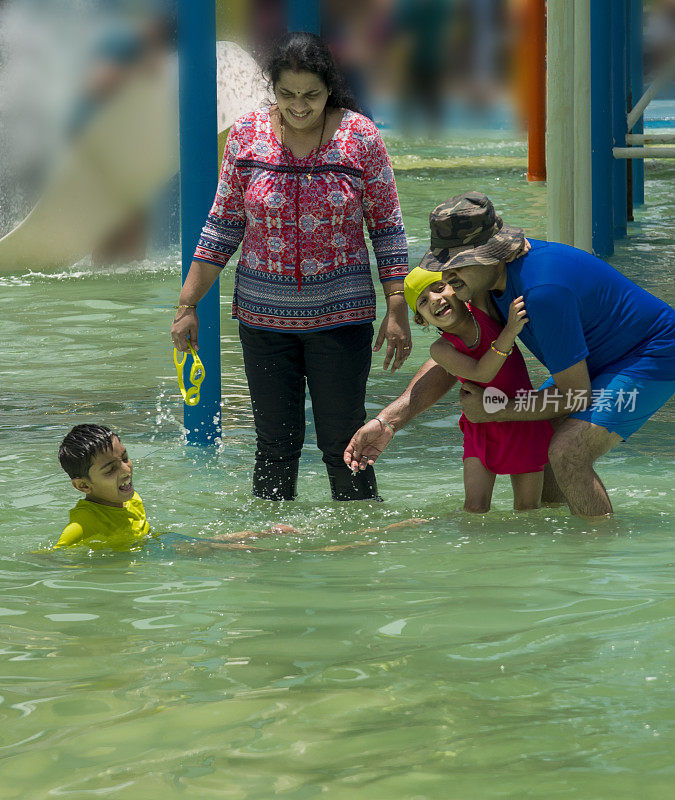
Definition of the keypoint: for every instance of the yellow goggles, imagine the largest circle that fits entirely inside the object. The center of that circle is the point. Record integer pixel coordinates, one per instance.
(197, 375)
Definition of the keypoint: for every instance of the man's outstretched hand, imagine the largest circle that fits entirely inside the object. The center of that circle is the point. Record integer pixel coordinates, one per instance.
(367, 445)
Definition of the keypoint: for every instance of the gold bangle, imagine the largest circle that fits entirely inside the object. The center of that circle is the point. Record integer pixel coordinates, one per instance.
(185, 306)
(500, 352)
(391, 294)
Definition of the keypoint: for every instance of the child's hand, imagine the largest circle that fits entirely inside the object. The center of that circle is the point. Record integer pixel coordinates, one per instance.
(517, 316)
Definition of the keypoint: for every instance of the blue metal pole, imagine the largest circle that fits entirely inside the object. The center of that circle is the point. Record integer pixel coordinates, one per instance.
(602, 161)
(304, 15)
(619, 111)
(629, 104)
(198, 182)
(637, 88)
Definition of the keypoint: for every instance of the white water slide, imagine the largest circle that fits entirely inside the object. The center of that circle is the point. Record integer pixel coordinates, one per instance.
(119, 163)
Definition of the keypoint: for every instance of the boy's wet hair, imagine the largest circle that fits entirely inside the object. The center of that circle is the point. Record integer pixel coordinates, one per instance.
(79, 447)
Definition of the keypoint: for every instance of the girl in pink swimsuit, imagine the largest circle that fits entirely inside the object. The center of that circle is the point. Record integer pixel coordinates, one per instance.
(473, 346)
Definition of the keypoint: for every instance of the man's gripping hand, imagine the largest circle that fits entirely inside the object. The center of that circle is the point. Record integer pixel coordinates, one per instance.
(471, 397)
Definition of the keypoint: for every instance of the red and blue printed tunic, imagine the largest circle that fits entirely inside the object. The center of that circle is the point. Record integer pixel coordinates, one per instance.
(304, 263)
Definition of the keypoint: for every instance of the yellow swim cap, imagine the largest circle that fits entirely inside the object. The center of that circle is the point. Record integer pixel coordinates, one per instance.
(416, 281)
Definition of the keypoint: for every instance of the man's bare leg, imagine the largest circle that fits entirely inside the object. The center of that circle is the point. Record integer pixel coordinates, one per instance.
(574, 448)
(551, 493)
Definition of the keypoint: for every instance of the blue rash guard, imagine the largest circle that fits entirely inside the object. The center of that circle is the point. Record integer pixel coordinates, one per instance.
(582, 308)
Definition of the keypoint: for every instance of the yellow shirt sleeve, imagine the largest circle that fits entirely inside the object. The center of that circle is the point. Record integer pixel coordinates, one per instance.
(72, 534)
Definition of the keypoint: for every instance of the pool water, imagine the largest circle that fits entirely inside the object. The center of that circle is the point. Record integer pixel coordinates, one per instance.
(502, 656)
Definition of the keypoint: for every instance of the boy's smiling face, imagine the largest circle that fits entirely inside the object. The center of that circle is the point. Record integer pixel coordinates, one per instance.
(109, 478)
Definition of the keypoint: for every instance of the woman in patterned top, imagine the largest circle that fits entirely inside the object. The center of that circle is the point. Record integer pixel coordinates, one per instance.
(298, 180)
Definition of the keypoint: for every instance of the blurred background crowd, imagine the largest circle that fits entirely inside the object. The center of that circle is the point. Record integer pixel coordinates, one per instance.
(420, 67)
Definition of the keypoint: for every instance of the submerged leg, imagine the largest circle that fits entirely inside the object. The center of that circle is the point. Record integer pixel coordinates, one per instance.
(275, 373)
(574, 448)
(338, 363)
(551, 493)
(527, 490)
(275, 480)
(478, 485)
(344, 485)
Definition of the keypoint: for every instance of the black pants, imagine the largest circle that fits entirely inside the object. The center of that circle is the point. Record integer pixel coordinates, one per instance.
(335, 366)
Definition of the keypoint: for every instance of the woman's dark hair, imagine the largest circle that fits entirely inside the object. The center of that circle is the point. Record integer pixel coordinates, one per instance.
(298, 51)
(78, 449)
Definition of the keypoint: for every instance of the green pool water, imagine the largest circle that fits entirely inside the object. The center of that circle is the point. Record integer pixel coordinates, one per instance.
(463, 658)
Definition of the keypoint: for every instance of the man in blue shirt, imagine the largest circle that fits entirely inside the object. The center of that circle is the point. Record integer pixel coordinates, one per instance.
(609, 345)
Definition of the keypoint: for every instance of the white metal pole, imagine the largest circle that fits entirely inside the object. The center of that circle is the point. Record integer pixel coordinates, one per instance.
(650, 138)
(560, 120)
(643, 152)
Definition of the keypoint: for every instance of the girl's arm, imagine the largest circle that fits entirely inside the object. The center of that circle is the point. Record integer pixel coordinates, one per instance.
(487, 367)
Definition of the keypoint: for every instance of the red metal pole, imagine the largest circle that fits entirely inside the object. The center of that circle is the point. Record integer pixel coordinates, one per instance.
(535, 82)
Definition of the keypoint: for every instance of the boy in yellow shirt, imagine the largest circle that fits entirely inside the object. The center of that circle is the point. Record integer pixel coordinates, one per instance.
(111, 514)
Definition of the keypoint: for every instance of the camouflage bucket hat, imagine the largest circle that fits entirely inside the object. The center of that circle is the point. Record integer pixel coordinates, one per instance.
(466, 230)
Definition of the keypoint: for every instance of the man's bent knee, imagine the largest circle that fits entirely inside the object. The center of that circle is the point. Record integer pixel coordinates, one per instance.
(576, 445)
